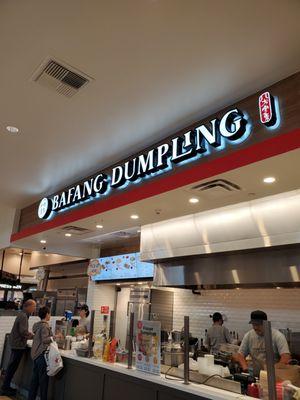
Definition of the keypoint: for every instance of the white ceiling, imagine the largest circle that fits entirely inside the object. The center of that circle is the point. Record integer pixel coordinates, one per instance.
(157, 65)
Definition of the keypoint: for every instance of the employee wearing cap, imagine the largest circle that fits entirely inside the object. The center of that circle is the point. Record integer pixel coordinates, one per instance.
(253, 344)
(217, 334)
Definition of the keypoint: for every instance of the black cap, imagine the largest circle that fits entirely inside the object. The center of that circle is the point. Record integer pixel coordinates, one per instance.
(217, 317)
(257, 317)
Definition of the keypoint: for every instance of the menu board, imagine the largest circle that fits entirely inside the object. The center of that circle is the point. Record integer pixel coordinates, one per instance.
(126, 266)
(148, 347)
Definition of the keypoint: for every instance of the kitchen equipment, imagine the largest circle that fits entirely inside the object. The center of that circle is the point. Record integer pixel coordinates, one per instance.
(173, 357)
(82, 352)
(62, 330)
(245, 380)
(177, 336)
(150, 304)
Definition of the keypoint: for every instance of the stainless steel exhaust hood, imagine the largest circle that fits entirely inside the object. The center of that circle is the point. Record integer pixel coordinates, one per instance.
(249, 244)
(270, 221)
(270, 267)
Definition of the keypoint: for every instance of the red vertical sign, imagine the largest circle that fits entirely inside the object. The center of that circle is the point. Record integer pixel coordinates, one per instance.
(267, 109)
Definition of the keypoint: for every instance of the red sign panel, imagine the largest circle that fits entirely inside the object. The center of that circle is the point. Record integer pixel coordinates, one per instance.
(266, 109)
(104, 309)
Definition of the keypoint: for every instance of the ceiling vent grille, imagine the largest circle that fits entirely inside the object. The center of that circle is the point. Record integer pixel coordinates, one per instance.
(62, 78)
(217, 183)
(75, 230)
(217, 188)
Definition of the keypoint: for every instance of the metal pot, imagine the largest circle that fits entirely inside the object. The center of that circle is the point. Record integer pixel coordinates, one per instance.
(173, 358)
(177, 336)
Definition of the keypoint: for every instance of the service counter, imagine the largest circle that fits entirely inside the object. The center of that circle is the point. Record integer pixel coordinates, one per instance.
(91, 379)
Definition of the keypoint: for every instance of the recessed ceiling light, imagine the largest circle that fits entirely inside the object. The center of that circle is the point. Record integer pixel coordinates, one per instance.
(43, 241)
(68, 234)
(194, 200)
(12, 129)
(140, 283)
(134, 216)
(20, 254)
(99, 226)
(269, 179)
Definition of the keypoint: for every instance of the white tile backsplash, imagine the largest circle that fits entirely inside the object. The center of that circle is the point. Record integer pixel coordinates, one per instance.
(97, 296)
(281, 305)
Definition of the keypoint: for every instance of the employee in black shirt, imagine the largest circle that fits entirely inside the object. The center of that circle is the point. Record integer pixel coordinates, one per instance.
(18, 340)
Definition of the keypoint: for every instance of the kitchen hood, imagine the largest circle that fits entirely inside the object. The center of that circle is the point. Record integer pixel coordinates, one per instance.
(251, 244)
(270, 221)
(260, 268)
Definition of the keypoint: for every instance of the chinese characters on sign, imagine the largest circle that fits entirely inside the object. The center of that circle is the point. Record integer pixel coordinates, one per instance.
(148, 347)
(267, 110)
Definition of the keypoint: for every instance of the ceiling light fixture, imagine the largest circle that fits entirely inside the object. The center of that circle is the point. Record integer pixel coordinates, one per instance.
(43, 241)
(12, 129)
(194, 200)
(20, 254)
(140, 283)
(269, 179)
(134, 216)
(68, 234)
(99, 226)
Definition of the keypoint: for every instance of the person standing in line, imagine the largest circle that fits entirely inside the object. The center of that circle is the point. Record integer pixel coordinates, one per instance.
(18, 341)
(42, 338)
(217, 334)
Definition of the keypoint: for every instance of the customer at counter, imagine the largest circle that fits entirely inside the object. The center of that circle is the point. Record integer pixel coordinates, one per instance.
(42, 338)
(83, 327)
(217, 334)
(18, 341)
(253, 344)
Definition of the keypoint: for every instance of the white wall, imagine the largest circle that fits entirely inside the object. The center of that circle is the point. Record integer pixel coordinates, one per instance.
(100, 295)
(39, 259)
(121, 315)
(7, 215)
(281, 305)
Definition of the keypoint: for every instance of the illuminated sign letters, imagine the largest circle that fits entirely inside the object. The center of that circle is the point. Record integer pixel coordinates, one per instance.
(233, 127)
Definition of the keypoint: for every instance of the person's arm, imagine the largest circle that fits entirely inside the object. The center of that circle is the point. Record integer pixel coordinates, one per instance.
(243, 352)
(285, 358)
(227, 335)
(240, 358)
(23, 327)
(283, 348)
(46, 336)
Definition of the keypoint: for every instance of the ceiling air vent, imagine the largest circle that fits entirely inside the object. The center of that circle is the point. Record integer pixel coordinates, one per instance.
(61, 77)
(216, 188)
(75, 230)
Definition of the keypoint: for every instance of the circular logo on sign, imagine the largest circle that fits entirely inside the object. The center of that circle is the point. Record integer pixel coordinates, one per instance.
(45, 208)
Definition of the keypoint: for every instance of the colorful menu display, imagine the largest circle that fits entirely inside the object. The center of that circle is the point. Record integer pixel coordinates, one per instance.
(126, 266)
(148, 347)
